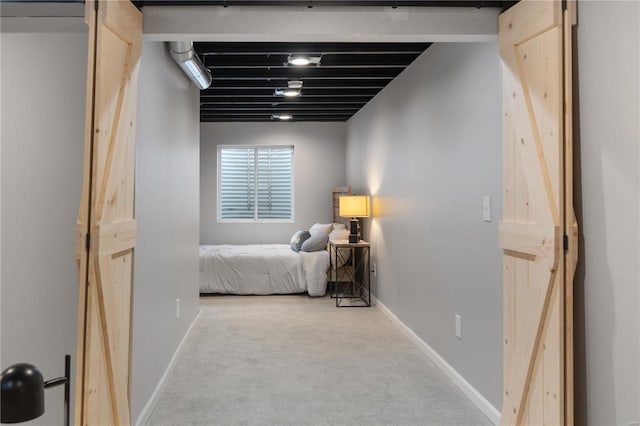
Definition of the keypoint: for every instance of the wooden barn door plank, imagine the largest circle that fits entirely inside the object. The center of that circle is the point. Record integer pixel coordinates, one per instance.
(106, 214)
(537, 387)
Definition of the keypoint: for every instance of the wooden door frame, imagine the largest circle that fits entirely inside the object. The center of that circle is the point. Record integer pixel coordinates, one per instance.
(571, 225)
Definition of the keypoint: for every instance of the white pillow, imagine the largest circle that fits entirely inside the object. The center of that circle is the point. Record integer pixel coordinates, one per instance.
(339, 234)
(338, 226)
(321, 228)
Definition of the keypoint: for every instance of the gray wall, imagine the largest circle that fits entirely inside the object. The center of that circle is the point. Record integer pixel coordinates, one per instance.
(319, 164)
(428, 148)
(167, 208)
(41, 168)
(607, 295)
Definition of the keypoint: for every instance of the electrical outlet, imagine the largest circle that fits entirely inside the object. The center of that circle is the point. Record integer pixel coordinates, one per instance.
(458, 326)
(178, 308)
(486, 208)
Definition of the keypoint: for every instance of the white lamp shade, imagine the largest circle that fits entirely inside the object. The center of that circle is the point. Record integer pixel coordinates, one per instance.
(354, 206)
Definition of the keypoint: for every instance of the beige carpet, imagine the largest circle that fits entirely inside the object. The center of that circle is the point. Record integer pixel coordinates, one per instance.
(296, 360)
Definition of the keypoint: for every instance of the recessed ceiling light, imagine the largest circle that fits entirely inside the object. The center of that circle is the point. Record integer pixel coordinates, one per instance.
(294, 84)
(281, 117)
(292, 92)
(287, 92)
(298, 60)
(302, 60)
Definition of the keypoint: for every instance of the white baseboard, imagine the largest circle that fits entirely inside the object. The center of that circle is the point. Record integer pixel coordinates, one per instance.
(476, 397)
(144, 416)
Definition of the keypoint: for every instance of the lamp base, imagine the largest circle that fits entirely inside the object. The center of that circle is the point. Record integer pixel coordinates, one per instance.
(354, 235)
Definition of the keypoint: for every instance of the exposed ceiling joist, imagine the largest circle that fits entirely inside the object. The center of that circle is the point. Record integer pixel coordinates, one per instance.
(245, 80)
(361, 45)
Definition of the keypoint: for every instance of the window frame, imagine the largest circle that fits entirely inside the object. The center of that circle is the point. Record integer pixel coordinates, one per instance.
(255, 211)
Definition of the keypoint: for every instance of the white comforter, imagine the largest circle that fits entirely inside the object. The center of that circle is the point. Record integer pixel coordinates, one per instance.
(262, 269)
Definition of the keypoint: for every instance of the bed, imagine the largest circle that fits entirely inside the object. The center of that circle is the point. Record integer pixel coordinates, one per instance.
(262, 269)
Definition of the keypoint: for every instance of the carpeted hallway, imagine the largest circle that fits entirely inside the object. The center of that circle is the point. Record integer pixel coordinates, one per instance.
(296, 360)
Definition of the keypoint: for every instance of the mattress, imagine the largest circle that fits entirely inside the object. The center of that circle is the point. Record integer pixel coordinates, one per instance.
(262, 269)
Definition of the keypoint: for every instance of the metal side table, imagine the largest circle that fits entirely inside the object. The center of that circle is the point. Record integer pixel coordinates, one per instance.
(351, 283)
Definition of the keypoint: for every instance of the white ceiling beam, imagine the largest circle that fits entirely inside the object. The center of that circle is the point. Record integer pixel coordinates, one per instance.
(320, 24)
(41, 17)
(43, 24)
(41, 9)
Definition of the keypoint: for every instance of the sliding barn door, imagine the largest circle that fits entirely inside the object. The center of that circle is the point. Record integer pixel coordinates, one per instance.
(538, 386)
(106, 227)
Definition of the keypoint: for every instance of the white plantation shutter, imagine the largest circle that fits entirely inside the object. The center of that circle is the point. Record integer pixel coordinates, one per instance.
(256, 183)
(274, 183)
(237, 183)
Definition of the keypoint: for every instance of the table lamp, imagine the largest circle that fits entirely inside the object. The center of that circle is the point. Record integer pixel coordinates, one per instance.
(354, 206)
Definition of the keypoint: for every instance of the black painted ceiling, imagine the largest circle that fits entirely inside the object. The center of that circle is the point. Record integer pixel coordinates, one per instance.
(245, 75)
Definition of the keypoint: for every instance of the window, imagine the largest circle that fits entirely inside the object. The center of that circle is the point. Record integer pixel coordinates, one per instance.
(255, 183)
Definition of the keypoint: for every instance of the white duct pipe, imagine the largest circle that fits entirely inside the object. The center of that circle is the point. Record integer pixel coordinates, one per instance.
(182, 52)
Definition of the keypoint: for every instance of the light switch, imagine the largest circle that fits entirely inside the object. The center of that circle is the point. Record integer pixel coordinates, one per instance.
(486, 208)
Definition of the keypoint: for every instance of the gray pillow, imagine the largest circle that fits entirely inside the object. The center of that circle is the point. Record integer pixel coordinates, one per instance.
(299, 238)
(317, 242)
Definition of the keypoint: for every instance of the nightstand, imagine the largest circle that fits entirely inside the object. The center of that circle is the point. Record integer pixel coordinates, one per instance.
(351, 283)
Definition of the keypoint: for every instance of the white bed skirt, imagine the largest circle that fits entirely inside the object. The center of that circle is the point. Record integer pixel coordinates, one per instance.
(262, 269)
